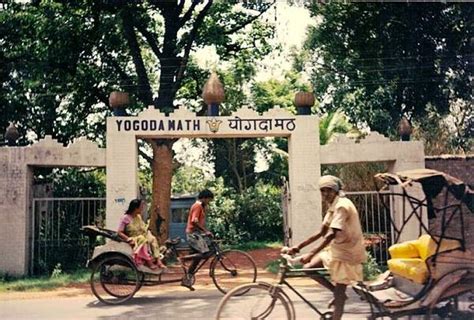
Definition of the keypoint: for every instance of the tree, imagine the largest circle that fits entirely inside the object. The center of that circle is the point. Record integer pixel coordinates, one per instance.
(379, 62)
(130, 41)
(56, 69)
(183, 26)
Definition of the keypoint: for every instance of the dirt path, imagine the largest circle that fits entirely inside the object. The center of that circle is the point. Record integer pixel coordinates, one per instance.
(203, 282)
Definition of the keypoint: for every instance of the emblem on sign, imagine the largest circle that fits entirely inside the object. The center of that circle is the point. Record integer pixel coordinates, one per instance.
(214, 125)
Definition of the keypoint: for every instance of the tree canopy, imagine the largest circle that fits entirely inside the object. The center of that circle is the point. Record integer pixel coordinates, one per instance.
(379, 62)
(60, 60)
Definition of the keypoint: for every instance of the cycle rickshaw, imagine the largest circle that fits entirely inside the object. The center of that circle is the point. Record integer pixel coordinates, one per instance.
(427, 275)
(115, 278)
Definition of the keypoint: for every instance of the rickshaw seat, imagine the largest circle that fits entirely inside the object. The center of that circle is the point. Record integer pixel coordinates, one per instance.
(408, 259)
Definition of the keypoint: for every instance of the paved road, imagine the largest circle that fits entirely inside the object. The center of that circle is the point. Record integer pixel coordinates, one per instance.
(177, 303)
(169, 303)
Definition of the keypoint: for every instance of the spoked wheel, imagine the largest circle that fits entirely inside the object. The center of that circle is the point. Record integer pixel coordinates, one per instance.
(115, 280)
(261, 301)
(232, 268)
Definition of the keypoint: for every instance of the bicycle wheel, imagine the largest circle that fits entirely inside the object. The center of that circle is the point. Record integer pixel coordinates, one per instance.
(115, 280)
(232, 268)
(261, 301)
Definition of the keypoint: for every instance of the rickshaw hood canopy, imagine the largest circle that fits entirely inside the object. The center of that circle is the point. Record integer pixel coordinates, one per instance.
(432, 182)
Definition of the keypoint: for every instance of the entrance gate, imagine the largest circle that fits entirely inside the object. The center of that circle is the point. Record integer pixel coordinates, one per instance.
(375, 221)
(56, 235)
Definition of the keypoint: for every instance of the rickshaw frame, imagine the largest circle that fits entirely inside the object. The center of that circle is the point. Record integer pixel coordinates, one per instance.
(116, 256)
(451, 272)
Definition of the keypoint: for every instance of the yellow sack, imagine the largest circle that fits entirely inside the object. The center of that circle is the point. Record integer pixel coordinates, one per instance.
(407, 249)
(427, 247)
(412, 268)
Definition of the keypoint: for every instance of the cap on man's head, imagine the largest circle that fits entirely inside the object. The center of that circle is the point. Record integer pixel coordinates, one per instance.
(331, 182)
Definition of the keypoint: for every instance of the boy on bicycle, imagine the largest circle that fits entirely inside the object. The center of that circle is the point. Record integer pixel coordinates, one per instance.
(342, 249)
(196, 232)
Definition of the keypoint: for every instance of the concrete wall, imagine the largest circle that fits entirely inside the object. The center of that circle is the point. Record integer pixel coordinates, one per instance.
(461, 167)
(16, 175)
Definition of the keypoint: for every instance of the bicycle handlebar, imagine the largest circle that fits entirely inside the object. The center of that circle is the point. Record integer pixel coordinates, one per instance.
(291, 260)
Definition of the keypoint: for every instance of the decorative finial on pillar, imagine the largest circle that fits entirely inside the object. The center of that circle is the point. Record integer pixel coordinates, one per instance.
(213, 94)
(303, 102)
(118, 101)
(404, 129)
(11, 134)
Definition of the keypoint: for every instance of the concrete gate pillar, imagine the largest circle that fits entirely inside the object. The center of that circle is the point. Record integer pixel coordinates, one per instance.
(122, 178)
(304, 171)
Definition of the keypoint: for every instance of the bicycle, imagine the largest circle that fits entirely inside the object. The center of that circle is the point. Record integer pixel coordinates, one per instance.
(269, 301)
(115, 278)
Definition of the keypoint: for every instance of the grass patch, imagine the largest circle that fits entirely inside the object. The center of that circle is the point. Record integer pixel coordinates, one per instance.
(254, 245)
(44, 282)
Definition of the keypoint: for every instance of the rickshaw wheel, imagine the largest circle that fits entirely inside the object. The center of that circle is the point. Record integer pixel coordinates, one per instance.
(115, 279)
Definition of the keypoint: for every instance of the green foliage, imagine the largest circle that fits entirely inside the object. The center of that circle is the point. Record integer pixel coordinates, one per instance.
(273, 266)
(270, 93)
(438, 137)
(277, 171)
(53, 74)
(188, 180)
(254, 215)
(370, 268)
(379, 62)
(332, 123)
(75, 182)
(61, 59)
(57, 271)
(71, 252)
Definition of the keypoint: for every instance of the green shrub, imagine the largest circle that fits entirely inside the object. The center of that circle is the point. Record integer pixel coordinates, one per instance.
(370, 268)
(253, 216)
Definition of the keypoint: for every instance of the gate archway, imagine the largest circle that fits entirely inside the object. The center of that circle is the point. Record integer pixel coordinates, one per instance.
(303, 148)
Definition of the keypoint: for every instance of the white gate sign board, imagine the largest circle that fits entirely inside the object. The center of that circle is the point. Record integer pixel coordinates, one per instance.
(303, 147)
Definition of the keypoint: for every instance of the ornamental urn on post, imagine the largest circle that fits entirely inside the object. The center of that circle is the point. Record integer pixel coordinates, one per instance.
(213, 94)
(303, 102)
(118, 101)
(11, 135)
(404, 129)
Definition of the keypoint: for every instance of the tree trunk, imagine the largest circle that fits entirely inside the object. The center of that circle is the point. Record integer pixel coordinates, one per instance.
(161, 193)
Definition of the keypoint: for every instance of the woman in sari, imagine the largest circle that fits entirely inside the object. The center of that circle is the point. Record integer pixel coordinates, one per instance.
(134, 231)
